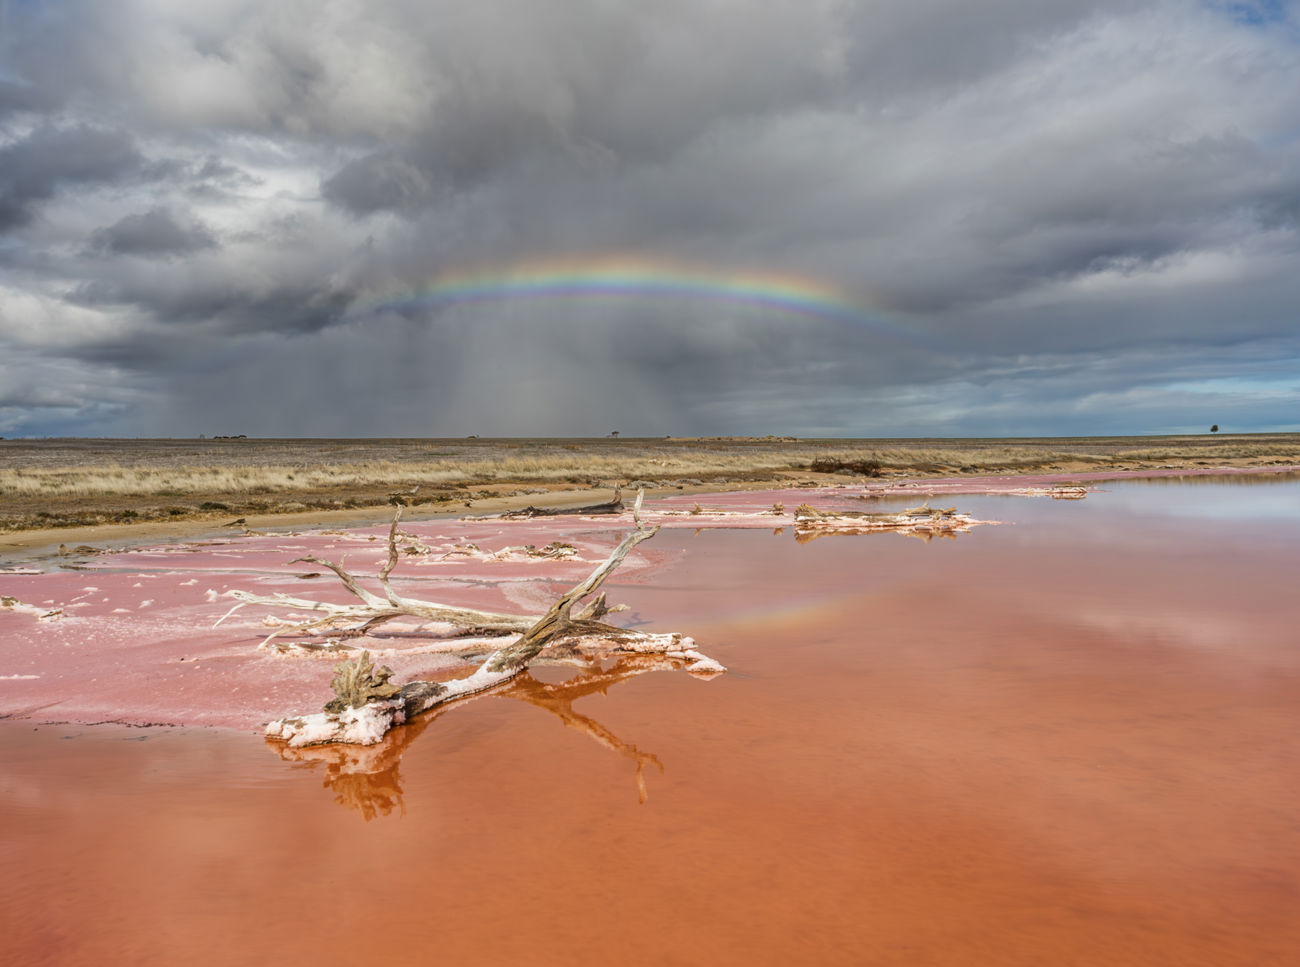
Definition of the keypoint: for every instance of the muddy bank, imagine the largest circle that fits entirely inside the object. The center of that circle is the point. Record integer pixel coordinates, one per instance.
(42, 544)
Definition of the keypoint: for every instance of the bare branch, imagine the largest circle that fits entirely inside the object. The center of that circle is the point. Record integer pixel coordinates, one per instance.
(556, 621)
(349, 582)
(392, 557)
(583, 632)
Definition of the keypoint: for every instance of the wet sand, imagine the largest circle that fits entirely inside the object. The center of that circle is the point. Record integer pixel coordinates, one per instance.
(41, 544)
(1067, 740)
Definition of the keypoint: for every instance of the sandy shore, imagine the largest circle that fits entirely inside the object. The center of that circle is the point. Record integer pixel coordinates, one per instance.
(42, 544)
(18, 547)
(39, 545)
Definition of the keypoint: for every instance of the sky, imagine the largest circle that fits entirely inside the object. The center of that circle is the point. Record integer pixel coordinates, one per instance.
(426, 218)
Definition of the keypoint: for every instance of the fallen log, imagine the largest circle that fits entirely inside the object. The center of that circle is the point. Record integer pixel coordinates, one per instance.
(367, 705)
(612, 506)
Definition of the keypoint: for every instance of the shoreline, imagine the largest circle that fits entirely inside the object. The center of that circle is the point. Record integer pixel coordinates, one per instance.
(25, 547)
(68, 488)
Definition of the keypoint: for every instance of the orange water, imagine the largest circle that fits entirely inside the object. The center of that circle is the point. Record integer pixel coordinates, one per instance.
(1070, 740)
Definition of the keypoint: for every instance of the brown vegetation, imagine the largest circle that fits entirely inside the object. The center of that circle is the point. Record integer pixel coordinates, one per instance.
(53, 483)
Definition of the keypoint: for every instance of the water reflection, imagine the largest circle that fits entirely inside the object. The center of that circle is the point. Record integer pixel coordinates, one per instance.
(367, 778)
(1205, 479)
(1210, 497)
(364, 778)
(924, 535)
(558, 699)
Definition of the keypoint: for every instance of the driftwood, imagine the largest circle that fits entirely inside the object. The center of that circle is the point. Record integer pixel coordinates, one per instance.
(354, 620)
(889, 517)
(923, 521)
(612, 506)
(9, 603)
(1056, 493)
(581, 631)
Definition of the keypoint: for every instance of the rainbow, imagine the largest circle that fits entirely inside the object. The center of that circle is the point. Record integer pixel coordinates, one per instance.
(636, 277)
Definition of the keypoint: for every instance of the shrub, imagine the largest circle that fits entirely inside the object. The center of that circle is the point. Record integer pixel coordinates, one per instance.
(868, 468)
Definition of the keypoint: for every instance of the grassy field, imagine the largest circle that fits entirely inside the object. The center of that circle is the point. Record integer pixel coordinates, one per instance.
(78, 482)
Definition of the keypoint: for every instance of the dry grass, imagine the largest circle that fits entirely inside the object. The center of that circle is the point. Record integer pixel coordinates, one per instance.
(49, 482)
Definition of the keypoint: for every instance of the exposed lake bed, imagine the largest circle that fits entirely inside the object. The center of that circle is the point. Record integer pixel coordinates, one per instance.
(1068, 739)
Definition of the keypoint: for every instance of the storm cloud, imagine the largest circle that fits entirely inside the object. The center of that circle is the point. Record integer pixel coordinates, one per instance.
(1054, 216)
(33, 168)
(155, 232)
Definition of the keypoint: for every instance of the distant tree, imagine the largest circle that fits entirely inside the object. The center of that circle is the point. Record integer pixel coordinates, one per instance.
(614, 434)
(1215, 428)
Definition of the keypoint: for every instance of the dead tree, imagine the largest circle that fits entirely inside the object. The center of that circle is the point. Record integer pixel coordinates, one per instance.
(365, 707)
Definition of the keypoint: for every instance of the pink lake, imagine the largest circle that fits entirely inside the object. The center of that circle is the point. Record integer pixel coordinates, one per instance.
(1070, 739)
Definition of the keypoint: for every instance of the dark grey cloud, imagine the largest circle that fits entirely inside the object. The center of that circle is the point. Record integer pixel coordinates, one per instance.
(1055, 214)
(214, 172)
(930, 48)
(377, 182)
(18, 98)
(216, 305)
(38, 398)
(50, 158)
(152, 233)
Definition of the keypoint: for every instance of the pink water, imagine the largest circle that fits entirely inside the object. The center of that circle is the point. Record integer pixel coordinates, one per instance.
(1074, 739)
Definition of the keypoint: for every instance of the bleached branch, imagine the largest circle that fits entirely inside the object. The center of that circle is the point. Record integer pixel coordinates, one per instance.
(584, 632)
